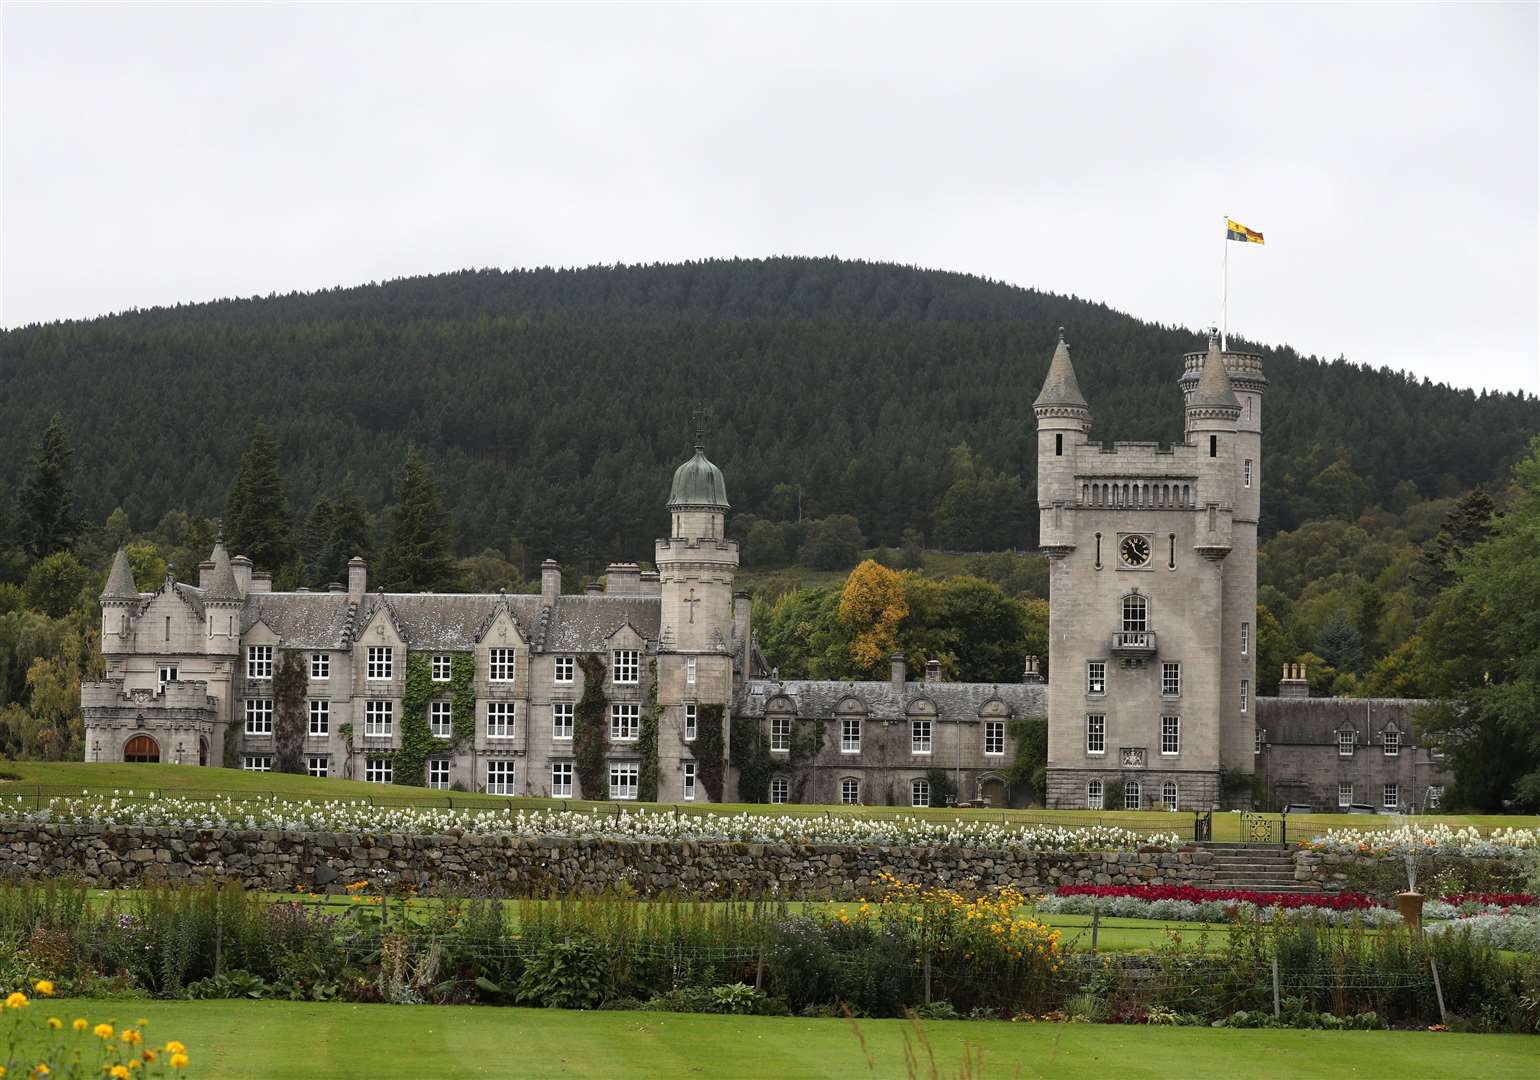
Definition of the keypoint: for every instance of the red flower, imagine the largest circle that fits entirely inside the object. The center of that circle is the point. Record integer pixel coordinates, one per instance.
(1333, 901)
(1495, 899)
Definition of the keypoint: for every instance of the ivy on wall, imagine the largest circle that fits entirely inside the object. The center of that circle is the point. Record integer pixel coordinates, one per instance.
(590, 731)
(708, 749)
(1030, 763)
(418, 743)
(752, 758)
(647, 741)
(289, 722)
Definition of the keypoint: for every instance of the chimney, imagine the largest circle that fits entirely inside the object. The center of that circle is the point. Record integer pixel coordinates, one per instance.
(1033, 672)
(1294, 683)
(336, 586)
(550, 582)
(932, 672)
(205, 568)
(593, 588)
(261, 581)
(623, 579)
(240, 566)
(358, 578)
(898, 664)
(651, 584)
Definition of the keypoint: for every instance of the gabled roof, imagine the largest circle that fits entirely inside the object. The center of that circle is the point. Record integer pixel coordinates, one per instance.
(302, 620)
(120, 581)
(818, 699)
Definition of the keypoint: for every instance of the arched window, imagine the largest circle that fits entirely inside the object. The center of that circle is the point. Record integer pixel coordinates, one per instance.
(850, 791)
(1186, 494)
(1098, 551)
(1168, 794)
(1131, 795)
(1136, 614)
(1093, 795)
(1171, 564)
(780, 790)
(1085, 493)
(141, 749)
(919, 793)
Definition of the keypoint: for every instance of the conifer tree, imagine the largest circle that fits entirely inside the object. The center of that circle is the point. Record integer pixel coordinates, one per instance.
(349, 535)
(313, 541)
(48, 519)
(417, 559)
(256, 513)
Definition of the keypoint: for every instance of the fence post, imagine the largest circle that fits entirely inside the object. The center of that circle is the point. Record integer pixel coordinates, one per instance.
(1277, 1009)
(927, 975)
(1096, 922)
(1438, 988)
(219, 940)
(759, 967)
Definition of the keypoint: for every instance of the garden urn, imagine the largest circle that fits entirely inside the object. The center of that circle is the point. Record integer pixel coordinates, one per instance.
(1410, 904)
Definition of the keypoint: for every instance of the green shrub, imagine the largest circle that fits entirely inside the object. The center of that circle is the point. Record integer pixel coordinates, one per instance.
(563, 975)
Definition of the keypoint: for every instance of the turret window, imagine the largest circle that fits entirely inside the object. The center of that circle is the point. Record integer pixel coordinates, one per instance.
(1245, 637)
(1248, 472)
(1058, 445)
(167, 674)
(1213, 446)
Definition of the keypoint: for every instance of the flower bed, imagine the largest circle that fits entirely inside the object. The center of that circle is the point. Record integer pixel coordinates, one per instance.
(1193, 894)
(1207, 911)
(1427, 840)
(1513, 928)
(1493, 900)
(640, 824)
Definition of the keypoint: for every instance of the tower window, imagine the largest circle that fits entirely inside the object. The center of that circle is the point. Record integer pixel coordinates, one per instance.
(1098, 551)
(1136, 614)
(1171, 559)
(1248, 472)
(1213, 446)
(1058, 445)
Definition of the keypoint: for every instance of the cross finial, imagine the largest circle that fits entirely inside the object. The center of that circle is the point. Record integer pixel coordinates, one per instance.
(698, 421)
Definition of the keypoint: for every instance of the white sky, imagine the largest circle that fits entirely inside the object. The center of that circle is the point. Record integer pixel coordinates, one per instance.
(1391, 154)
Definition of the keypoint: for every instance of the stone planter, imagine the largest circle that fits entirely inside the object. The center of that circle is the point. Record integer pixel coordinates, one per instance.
(1410, 905)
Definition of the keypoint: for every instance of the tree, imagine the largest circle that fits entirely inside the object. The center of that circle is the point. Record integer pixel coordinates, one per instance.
(832, 543)
(49, 522)
(1340, 644)
(1469, 523)
(256, 513)
(349, 534)
(872, 604)
(417, 559)
(55, 583)
(765, 545)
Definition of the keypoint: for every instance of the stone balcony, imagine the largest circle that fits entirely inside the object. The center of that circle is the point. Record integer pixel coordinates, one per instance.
(1137, 643)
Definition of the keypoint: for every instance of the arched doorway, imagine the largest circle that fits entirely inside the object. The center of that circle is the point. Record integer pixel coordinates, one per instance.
(203, 751)
(142, 749)
(992, 791)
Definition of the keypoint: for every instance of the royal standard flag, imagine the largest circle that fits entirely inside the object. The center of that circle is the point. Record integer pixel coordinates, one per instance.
(1237, 231)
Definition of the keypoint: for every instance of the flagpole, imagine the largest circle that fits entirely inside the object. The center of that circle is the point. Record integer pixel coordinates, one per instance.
(1224, 293)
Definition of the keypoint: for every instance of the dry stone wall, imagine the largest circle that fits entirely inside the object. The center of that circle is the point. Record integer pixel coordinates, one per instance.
(1385, 875)
(125, 856)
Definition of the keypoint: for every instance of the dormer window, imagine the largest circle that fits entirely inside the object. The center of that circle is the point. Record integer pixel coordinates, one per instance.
(626, 667)
(1392, 743)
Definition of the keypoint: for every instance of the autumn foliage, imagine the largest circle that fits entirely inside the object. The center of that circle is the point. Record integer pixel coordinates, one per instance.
(873, 605)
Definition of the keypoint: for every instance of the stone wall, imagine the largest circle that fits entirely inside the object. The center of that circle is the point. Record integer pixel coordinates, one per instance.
(124, 856)
(1385, 875)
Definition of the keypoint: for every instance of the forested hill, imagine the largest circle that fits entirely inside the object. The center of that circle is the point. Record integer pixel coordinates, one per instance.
(554, 405)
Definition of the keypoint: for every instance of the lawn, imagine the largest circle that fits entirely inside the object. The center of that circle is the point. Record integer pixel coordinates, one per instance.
(34, 780)
(257, 1040)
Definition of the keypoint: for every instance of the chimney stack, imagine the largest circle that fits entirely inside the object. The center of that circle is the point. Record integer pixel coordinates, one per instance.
(1033, 672)
(900, 668)
(1294, 683)
(358, 578)
(651, 584)
(261, 581)
(205, 568)
(336, 586)
(550, 582)
(623, 579)
(593, 588)
(240, 566)
(932, 671)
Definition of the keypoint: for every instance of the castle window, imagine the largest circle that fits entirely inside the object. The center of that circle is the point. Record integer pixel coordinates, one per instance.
(691, 721)
(441, 719)
(1170, 735)
(780, 790)
(1096, 734)
(379, 717)
(1346, 740)
(919, 736)
(318, 765)
(1213, 446)
(780, 734)
(379, 770)
(1098, 551)
(1168, 794)
(1186, 494)
(561, 779)
(381, 663)
(501, 779)
(1245, 637)
(625, 721)
(626, 664)
(1131, 795)
(441, 667)
(1171, 678)
(167, 674)
(1171, 557)
(500, 719)
(919, 793)
(994, 737)
(1248, 472)
(1058, 445)
(259, 716)
(320, 716)
(438, 773)
(1392, 743)
(564, 667)
(1136, 614)
(1435, 796)
(1392, 796)
(168, 627)
(500, 665)
(625, 778)
(850, 791)
(320, 665)
(689, 781)
(1096, 676)
(1344, 793)
(1245, 694)
(257, 762)
(1093, 795)
(561, 720)
(259, 661)
(689, 671)
(850, 735)
(1258, 736)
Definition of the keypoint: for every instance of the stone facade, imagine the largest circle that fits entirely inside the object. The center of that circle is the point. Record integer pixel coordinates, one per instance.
(520, 866)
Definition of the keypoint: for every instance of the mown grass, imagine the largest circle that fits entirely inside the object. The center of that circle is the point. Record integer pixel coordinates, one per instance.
(255, 1040)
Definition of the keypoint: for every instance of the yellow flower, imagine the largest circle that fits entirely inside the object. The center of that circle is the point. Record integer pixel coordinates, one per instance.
(103, 1031)
(44, 987)
(131, 1036)
(79, 1024)
(174, 1047)
(17, 1000)
(118, 1072)
(41, 1069)
(179, 1061)
(148, 1055)
(141, 1022)
(54, 1023)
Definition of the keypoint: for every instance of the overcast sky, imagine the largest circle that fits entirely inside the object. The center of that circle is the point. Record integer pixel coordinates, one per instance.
(176, 153)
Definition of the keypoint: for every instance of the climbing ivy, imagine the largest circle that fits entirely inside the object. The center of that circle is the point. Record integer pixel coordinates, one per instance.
(590, 734)
(462, 697)
(418, 742)
(708, 749)
(755, 764)
(289, 683)
(1030, 765)
(647, 741)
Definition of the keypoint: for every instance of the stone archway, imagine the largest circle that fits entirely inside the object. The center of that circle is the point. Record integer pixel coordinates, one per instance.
(992, 791)
(142, 749)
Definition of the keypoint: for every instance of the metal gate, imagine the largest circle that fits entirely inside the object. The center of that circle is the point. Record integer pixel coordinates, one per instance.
(1263, 828)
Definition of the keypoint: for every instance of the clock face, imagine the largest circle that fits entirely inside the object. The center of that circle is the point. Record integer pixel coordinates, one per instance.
(1135, 550)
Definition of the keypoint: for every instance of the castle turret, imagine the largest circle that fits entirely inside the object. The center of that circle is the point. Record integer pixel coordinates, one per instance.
(1211, 414)
(118, 601)
(697, 562)
(222, 603)
(1063, 420)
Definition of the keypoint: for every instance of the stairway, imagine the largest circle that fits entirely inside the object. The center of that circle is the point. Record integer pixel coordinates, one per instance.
(1262, 867)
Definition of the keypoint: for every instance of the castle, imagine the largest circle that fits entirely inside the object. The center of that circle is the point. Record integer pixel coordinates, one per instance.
(1151, 672)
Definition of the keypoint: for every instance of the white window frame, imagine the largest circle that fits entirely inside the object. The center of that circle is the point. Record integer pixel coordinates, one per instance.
(691, 721)
(441, 667)
(921, 736)
(1132, 794)
(1347, 743)
(259, 716)
(441, 719)
(1392, 797)
(689, 671)
(1171, 678)
(625, 667)
(689, 780)
(850, 735)
(379, 718)
(563, 670)
(994, 738)
(1392, 741)
(1136, 614)
(561, 779)
(320, 717)
(1170, 794)
(625, 721)
(562, 717)
(1245, 694)
(502, 664)
(378, 770)
(1258, 737)
(318, 765)
(1344, 793)
(380, 663)
(780, 734)
(259, 661)
(502, 719)
(438, 773)
(168, 673)
(625, 780)
(256, 762)
(1245, 638)
(850, 791)
(1170, 736)
(919, 792)
(1096, 677)
(506, 774)
(1095, 795)
(320, 666)
(1248, 460)
(1096, 734)
(780, 790)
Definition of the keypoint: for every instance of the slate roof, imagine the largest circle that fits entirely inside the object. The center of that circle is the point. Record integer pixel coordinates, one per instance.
(1060, 387)
(302, 620)
(1213, 391)
(1316, 721)
(221, 584)
(120, 582)
(816, 699)
(585, 623)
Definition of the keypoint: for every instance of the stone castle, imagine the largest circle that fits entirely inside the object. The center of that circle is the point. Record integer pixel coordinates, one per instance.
(1151, 694)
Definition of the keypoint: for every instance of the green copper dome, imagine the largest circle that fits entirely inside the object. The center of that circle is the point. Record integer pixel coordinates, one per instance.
(698, 483)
